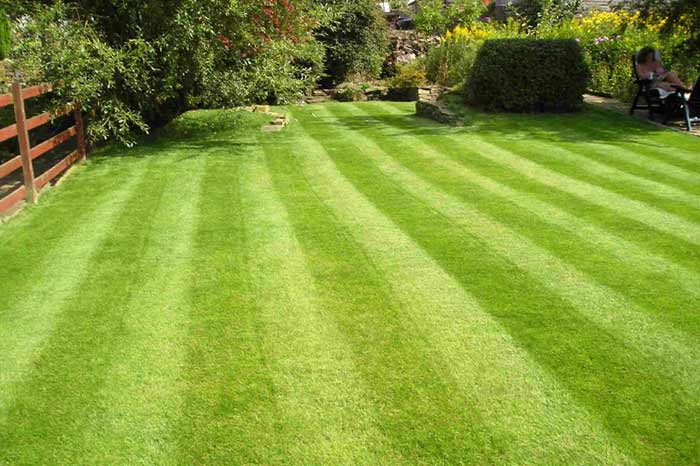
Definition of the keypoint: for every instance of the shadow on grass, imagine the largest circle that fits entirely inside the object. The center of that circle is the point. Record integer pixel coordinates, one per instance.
(193, 134)
(589, 125)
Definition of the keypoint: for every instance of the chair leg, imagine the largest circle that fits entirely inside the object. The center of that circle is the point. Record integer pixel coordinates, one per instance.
(687, 117)
(634, 104)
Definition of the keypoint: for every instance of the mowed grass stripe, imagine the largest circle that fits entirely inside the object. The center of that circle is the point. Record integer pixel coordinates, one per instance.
(639, 163)
(327, 414)
(500, 380)
(31, 311)
(585, 358)
(142, 392)
(230, 415)
(567, 163)
(603, 306)
(606, 155)
(602, 126)
(27, 239)
(424, 416)
(644, 213)
(50, 416)
(607, 217)
(618, 263)
(42, 221)
(654, 143)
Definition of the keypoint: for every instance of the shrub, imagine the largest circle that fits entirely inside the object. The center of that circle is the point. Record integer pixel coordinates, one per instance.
(5, 31)
(404, 85)
(408, 76)
(134, 65)
(52, 48)
(548, 13)
(356, 37)
(450, 62)
(526, 75)
(350, 92)
(435, 18)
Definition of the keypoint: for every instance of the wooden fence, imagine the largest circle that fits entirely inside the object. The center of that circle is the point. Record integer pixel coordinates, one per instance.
(32, 185)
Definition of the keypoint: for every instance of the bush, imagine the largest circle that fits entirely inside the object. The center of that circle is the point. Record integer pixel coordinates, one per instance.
(435, 18)
(547, 13)
(408, 76)
(134, 65)
(450, 62)
(356, 37)
(351, 92)
(526, 75)
(52, 48)
(404, 85)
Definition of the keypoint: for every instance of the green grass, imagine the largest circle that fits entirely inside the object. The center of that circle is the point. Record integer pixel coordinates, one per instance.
(364, 287)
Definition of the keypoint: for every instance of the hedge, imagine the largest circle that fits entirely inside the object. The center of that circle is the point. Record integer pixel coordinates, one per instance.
(528, 75)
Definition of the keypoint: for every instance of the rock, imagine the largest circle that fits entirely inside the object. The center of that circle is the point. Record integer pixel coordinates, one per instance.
(435, 111)
(317, 99)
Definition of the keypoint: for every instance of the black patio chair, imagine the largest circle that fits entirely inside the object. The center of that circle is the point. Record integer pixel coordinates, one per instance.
(672, 105)
(653, 101)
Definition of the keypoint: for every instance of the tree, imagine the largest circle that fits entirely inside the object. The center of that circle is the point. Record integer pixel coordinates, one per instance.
(139, 63)
(356, 38)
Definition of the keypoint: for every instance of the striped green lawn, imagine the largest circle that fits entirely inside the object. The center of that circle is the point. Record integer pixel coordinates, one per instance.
(362, 288)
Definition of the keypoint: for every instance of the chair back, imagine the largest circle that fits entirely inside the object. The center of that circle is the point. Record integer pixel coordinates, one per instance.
(635, 71)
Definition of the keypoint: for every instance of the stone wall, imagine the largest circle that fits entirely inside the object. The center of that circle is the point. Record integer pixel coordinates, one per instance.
(600, 4)
(408, 45)
(587, 5)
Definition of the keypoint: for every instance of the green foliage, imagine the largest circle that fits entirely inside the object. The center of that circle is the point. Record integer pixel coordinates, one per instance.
(436, 18)
(5, 35)
(409, 76)
(681, 15)
(610, 38)
(350, 92)
(282, 73)
(52, 48)
(450, 63)
(526, 75)
(136, 64)
(543, 13)
(356, 38)
(403, 86)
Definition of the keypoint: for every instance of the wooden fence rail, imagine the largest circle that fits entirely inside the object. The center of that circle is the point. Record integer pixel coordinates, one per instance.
(33, 185)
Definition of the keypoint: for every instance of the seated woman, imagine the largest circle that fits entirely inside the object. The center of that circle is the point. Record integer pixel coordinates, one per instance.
(649, 67)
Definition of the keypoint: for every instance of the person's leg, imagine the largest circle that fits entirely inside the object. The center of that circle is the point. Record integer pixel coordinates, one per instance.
(672, 78)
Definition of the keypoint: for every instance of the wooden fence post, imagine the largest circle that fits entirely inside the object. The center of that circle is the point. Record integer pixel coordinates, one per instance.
(81, 132)
(23, 138)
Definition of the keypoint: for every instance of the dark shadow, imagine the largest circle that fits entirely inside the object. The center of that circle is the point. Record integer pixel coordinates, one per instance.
(590, 125)
(201, 133)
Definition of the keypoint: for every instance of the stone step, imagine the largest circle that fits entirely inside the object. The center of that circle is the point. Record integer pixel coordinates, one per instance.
(317, 99)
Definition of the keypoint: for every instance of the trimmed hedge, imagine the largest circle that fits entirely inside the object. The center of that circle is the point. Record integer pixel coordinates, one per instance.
(528, 75)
